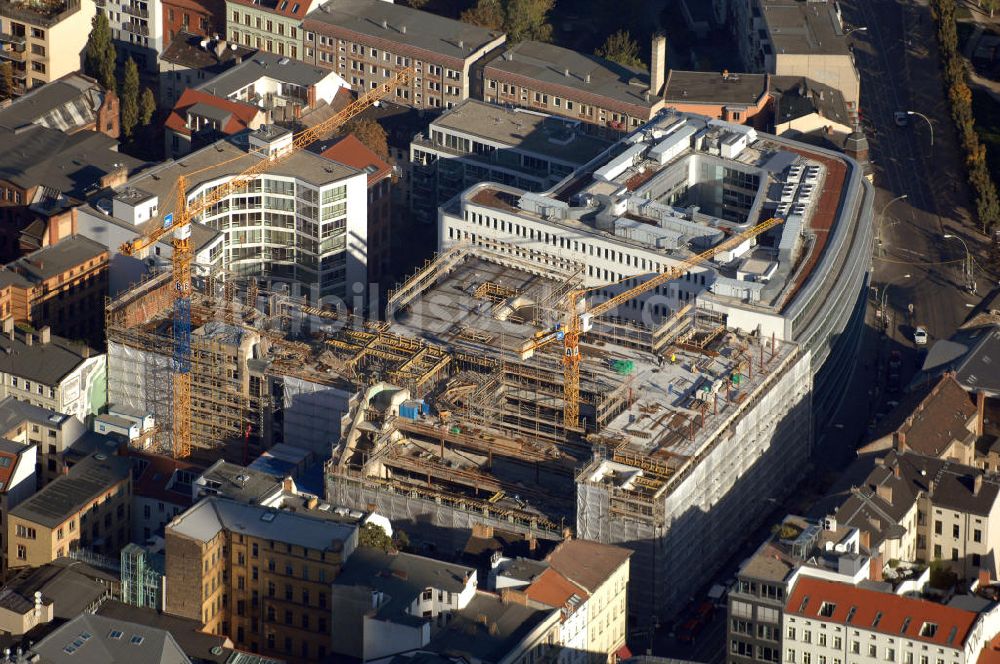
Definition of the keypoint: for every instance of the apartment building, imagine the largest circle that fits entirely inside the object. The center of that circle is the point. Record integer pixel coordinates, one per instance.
(60, 288)
(282, 87)
(199, 118)
(51, 372)
(192, 59)
(609, 98)
(826, 621)
(49, 432)
(274, 26)
(476, 142)
(367, 41)
(790, 38)
(351, 152)
(799, 547)
(17, 484)
(43, 41)
(303, 222)
(161, 489)
(186, 18)
(259, 575)
(137, 30)
(603, 571)
(86, 508)
(920, 508)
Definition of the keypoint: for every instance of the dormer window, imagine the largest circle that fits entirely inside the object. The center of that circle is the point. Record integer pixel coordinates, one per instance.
(928, 630)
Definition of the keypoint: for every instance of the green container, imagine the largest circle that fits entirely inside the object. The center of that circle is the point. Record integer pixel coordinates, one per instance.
(623, 367)
(456, 429)
(737, 378)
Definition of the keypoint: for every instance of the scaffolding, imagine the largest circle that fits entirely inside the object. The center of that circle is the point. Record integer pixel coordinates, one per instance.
(142, 578)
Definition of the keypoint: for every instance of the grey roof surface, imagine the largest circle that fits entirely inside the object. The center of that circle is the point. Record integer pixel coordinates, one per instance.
(208, 111)
(804, 27)
(262, 65)
(710, 87)
(525, 131)
(203, 521)
(89, 639)
(524, 569)
(424, 30)
(487, 629)
(72, 586)
(185, 50)
(195, 643)
(47, 363)
(71, 163)
(401, 577)
(798, 96)
(66, 104)
(977, 371)
(238, 482)
(950, 485)
(549, 63)
(14, 412)
(228, 156)
(56, 258)
(57, 501)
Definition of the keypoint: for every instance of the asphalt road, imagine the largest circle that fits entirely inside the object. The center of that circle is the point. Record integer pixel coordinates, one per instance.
(898, 61)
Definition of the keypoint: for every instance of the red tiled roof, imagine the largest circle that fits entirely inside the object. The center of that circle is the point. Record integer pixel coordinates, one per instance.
(893, 612)
(240, 114)
(6, 472)
(553, 589)
(352, 152)
(991, 652)
(152, 482)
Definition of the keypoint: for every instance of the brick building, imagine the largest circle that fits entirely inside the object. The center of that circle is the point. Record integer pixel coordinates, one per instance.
(204, 18)
(367, 41)
(259, 575)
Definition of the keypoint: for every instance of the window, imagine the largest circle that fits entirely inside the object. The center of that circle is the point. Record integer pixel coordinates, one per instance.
(928, 630)
(938, 527)
(937, 552)
(954, 554)
(954, 531)
(976, 560)
(872, 650)
(977, 535)
(22, 552)
(791, 634)
(890, 654)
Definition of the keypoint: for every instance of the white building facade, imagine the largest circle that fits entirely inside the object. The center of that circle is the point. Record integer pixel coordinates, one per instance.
(137, 28)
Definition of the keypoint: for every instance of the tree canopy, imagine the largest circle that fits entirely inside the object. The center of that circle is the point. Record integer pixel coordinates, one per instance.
(371, 134)
(99, 54)
(147, 106)
(130, 98)
(621, 48)
(522, 20)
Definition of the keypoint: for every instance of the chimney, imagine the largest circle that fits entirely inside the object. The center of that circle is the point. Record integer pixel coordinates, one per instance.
(865, 539)
(901, 438)
(45, 334)
(875, 568)
(402, 29)
(220, 48)
(977, 484)
(657, 64)
(312, 502)
(115, 178)
(980, 413)
(587, 79)
(725, 74)
(385, 24)
(897, 472)
(511, 596)
(287, 484)
(85, 352)
(884, 492)
(38, 603)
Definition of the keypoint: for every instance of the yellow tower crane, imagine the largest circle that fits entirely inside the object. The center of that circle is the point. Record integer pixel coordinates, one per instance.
(179, 223)
(578, 320)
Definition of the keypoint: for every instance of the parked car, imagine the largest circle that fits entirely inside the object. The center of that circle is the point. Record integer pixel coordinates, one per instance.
(901, 118)
(920, 335)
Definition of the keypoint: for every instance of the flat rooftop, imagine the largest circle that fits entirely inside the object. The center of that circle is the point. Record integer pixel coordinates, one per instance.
(526, 131)
(68, 494)
(811, 28)
(53, 260)
(404, 28)
(264, 65)
(709, 87)
(580, 73)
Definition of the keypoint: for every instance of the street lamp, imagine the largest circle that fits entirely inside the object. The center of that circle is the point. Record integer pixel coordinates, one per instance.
(967, 271)
(860, 28)
(885, 291)
(927, 120)
(881, 218)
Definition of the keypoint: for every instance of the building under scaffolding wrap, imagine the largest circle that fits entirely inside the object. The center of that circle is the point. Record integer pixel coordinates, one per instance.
(689, 428)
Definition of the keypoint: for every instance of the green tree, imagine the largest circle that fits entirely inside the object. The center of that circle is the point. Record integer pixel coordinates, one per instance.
(522, 20)
(374, 537)
(991, 6)
(487, 14)
(147, 106)
(528, 20)
(99, 55)
(6, 80)
(130, 98)
(621, 48)
(371, 134)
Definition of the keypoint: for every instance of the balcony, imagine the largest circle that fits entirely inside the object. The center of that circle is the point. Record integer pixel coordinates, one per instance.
(135, 10)
(14, 40)
(13, 55)
(136, 28)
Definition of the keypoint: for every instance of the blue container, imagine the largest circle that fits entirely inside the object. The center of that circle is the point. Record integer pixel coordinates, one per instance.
(409, 409)
(425, 408)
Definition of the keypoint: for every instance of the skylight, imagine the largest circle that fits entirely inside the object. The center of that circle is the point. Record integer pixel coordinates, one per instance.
(116, 634)
(878, 619)
(135, 640)
(850, 614)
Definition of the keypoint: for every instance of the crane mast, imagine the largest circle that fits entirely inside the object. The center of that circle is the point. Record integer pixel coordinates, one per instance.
(183, 251)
